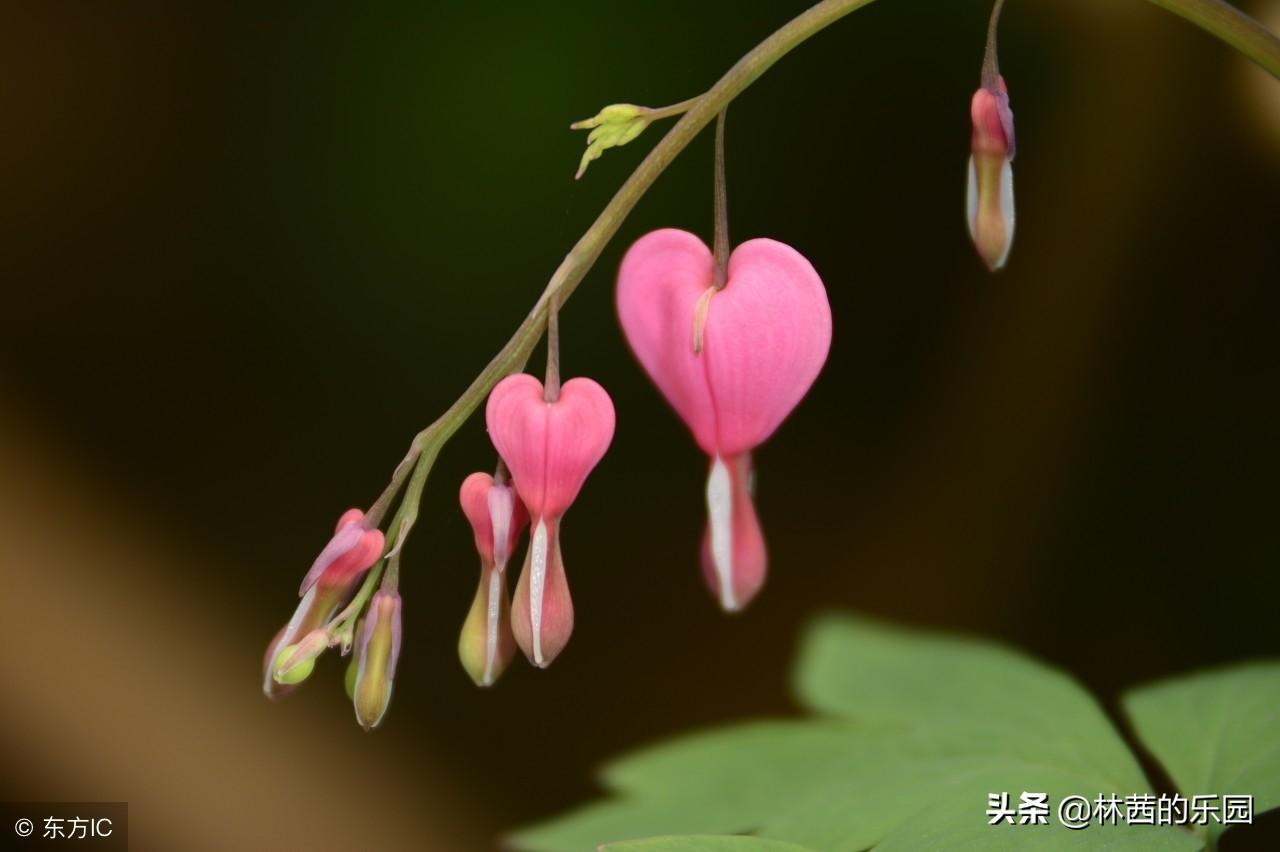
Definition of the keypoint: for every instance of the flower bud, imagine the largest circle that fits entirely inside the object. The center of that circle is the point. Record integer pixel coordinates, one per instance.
(295, 662)
(352, 551)
(329, 584)
(616, 124)
(497, 516)
(990, 192)
(377, 653)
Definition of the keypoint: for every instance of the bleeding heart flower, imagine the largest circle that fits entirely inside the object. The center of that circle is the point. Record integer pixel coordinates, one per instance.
(990, 194)
(733, 362)
(327, 586)
(497, 518)
(550, 447)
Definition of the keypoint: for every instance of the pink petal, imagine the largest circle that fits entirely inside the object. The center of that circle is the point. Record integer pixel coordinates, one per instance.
(549, 447)
(663, 276)
(516, 415)
(767, 336)
(579, 430)
(349, 517)
(542, 612)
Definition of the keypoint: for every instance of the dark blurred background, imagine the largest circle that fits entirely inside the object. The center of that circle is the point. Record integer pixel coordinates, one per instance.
(248, 252)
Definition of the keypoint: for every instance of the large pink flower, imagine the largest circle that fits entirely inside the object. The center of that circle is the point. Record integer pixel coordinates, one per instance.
(732, 362)
(549, 447)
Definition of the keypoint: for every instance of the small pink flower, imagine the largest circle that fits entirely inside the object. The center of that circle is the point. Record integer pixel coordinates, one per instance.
(327, 586)
(352, 551)
(497, 517)
(732, 362)
(990, 193)
(550, 448)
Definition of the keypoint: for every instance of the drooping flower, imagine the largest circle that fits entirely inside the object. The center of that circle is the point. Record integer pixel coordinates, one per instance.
(327, 586)
(733, 363)
(377, 653)
(990, 192)
(550, 447)
(486, 644)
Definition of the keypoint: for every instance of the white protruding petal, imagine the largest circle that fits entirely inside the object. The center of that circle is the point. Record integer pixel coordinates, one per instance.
(501, 509)
(537, 584)
(1006, 209)
(491, 625)
(971, 201)
(720, 516)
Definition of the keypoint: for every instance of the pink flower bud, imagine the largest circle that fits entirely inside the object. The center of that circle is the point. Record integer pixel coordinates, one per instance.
(352, 551)
(377, 653)
(497, 517)
(732, 362)
(990, 192)
(550, 448)
(328, 585)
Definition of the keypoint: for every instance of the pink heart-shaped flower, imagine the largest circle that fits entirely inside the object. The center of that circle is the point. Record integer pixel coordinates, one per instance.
(550, 447)
(764, 337)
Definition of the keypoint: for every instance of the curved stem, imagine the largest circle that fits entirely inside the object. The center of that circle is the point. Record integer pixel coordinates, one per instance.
(551, 387)
(721, 243)
(698, 114)
(1231, 26)
(659, 113)
(1216, 17)
(990, 60)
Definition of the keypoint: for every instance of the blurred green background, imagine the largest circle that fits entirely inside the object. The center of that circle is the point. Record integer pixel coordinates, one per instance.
(250, 250)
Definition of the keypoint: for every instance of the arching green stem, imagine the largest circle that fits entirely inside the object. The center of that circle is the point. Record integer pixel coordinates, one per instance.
(1233, 27)
(1227, 23)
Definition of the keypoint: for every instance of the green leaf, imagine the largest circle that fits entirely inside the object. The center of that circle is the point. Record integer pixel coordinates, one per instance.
(916, 732)
(702, 843)
(966, 692)
(1217, 733)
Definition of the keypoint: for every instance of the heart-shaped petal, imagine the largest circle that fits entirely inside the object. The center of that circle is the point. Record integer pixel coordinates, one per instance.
(764, 337)
(550, 447)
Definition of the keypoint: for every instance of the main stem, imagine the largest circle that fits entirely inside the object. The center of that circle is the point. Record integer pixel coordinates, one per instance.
(1218, 18)
(587, 250)
(1233, 27)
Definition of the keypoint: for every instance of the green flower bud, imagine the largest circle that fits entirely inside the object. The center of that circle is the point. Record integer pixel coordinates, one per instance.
(615, 125)
(376, 658)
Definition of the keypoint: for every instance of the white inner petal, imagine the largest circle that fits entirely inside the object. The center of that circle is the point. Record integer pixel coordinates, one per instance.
(491, 626)
(720, 516)
(1006, 209)
(537, 584)
(501, 508)
(971, 201)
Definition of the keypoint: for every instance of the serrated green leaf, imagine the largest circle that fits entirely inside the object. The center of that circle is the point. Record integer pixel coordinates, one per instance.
(918, 731)
(703, 843)
(962, 690)
(1217, 733)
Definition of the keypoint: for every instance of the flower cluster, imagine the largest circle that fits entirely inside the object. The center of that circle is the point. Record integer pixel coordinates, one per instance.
(733, 340)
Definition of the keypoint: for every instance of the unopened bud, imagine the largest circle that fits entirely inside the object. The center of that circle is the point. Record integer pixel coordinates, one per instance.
(296, 662)
(990, 193)
(376, 657)
(497, 517)
(615, 125)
